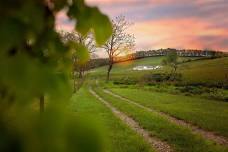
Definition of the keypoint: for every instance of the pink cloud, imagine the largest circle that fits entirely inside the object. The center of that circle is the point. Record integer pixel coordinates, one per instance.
(63, 23)
(168, 23)
(182, 33)
(131, 2)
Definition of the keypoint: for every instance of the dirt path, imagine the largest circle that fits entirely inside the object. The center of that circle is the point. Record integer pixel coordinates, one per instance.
(195, 129)
(157, 144)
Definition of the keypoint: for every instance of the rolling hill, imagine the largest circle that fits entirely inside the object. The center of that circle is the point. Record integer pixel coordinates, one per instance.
(196, 70)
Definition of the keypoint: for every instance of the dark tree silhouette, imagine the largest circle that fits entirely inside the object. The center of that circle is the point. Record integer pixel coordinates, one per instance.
(120, 42)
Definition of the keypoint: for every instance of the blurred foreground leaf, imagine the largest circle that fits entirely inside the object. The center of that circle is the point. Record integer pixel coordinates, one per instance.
(91, 18)
(35, 63)
(81, 53)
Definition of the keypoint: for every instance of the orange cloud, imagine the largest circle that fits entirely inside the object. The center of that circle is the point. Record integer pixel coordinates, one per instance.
(179, 33)
(169, 23)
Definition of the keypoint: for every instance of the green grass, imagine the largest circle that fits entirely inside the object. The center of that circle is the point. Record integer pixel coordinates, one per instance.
(205, 71)
(208, 114)
(128, 65)
(212, 71)
(126, 68)
(181, 139)
(119, 137)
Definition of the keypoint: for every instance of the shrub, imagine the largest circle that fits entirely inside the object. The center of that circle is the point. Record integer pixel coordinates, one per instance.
(160, 77)
(190, 89)
(125, 81)
(175, 77)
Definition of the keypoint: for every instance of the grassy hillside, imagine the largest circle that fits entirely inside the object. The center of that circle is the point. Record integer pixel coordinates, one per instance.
(214, 70)
(205, 70)
(128, 65)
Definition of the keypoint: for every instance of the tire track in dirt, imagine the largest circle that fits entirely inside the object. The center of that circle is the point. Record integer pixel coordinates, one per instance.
(195, 129)
(156, 143)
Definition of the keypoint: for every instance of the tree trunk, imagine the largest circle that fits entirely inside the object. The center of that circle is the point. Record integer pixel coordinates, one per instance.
(109, 70)
(41, 103)
(74, 84)
(80, 74)
(175, 69)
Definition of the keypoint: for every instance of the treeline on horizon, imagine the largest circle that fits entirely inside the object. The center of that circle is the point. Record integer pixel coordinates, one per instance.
(163, 52)
(97, 62)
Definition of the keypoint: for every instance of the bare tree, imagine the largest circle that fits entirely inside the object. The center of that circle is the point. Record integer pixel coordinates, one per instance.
(120, 41)
(88, 42)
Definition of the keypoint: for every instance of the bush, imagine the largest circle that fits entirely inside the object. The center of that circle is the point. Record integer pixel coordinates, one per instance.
(186, 60)
(125, 81)
(155, 77)
(190, 89)
(175, 77)
(160, 77)
(226, 99)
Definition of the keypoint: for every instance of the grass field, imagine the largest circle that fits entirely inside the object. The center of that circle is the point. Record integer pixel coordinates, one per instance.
(208, 114)
(149, 61)
(128, 65)
(118, 137)
(181, 139)
(214, 70)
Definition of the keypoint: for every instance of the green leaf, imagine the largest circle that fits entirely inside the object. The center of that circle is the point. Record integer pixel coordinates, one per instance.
(59, 4)
(102, 27)
(16, 30)
(91, 18)
(82, 14)
(82, 53)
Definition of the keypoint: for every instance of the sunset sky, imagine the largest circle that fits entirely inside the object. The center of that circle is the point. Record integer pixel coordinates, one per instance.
(191, 24)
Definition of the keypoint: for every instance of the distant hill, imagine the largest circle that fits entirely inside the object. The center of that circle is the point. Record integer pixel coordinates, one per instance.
(98, 62)
(193, 69)
(163, 52)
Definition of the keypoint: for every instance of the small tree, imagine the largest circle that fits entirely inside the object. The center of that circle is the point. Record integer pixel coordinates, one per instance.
(171, 60)
(120, 41)
(87, 40)
(79, 66)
